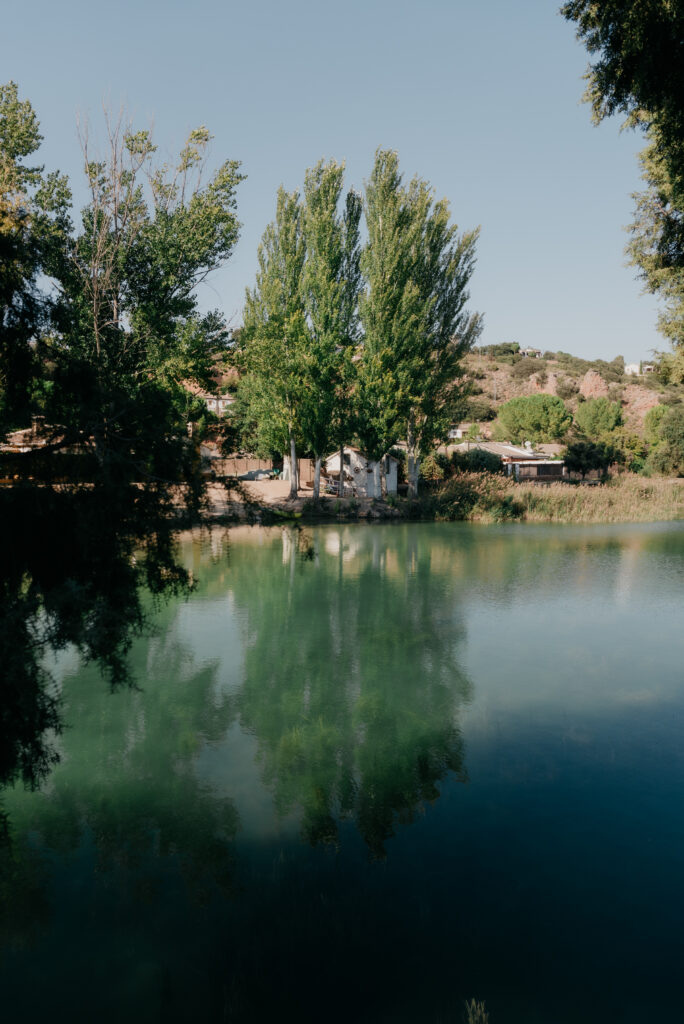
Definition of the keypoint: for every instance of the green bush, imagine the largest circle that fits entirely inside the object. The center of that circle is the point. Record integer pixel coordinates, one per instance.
(566, 387)
(583, 456)
(652, 421)
(524, 369)
(598, 416)
(535, 418)
(480, 410)
(477, 460)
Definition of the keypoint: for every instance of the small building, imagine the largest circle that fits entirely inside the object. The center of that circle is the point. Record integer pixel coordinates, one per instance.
(460, 431)
(218, 404)
(361, 474)
(531, 353)
(521, 462)
(639, 369)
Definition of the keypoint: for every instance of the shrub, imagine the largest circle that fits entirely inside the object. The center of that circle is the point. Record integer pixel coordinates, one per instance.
(535, 418)
(433, 466)
(524, 369)
(598, 416)
(652, 421)
(583, 456)
(479, 409)
(566, 387)
(477, 460)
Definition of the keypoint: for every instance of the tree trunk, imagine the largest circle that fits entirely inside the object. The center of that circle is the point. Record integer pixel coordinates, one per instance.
(340, 485)
(413, 463)
(294, 482)
(377, 484)
(317, 478)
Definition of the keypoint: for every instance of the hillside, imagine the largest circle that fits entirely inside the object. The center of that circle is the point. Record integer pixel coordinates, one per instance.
(498, 375)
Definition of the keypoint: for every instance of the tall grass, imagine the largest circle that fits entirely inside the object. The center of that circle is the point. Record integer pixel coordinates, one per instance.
(481, 497)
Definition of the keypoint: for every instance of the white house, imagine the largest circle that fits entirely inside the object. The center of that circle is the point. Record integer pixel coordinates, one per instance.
(362, 475)
(632, 370)
(218, 404)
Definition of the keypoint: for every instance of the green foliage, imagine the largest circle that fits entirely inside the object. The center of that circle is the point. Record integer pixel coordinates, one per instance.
(670, 368)
(477, 460)
(639, 71)
(632, 448)
(525, 367)
(597, 416)
(656, 246)
(331, 282)
(566, 387)
(534, 418)
(506, 348)
(479, 409)
(583, 456)
(274, 341)
(34, 221)
(652, 421)
(416, 328)
(667, 454)
(100, 322)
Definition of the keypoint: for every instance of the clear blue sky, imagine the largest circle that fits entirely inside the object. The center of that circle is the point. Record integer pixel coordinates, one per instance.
(480, 98)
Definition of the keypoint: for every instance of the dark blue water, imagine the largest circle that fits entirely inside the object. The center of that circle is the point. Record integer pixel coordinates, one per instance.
(370, 773)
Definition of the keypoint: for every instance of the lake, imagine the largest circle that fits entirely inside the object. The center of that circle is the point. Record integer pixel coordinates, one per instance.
(369, 772)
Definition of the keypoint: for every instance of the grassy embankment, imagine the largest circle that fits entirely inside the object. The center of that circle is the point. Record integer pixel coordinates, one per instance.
(490, 499)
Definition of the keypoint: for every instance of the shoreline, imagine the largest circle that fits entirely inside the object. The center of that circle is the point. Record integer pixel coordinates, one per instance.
(478, 498)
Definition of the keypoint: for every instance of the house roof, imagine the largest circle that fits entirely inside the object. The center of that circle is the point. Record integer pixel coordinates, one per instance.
(501, 448)
(352, 448)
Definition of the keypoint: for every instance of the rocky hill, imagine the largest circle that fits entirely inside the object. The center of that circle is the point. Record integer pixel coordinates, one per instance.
(498, 375)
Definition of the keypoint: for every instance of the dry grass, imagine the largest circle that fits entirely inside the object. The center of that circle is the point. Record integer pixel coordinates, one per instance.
(625, 499)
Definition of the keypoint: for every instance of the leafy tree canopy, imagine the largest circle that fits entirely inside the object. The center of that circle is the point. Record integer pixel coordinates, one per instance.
(534, 418)
(583, 456)
(638, 70)
(598, 416)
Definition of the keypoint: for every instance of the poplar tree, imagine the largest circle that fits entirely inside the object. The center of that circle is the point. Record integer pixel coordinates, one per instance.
(382, 307)
(417, 329)
(276, 333)
(331, 283)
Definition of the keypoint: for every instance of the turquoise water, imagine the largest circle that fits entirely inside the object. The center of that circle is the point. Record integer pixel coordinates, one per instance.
(369, 773)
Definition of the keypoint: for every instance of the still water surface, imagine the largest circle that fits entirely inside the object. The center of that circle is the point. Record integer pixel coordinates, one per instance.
(370, 772)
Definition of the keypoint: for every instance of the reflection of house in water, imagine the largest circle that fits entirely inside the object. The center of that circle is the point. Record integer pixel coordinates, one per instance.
(343, 543)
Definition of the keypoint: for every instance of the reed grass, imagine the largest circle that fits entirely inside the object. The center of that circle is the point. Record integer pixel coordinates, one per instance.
(624, 499)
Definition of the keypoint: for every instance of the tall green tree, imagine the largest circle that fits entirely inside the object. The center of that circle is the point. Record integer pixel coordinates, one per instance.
(131, 331)
(656, 246)
(416, 328)
(637, 69)
(331, 283)
(34, 221)
(276, 335)
(383, 306)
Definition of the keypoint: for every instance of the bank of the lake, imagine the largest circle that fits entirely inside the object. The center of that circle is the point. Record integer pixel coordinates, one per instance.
(469, 497)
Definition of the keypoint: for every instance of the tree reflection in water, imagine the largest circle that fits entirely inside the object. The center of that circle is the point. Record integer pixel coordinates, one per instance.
(72, 565)
(352, 680)
(84, 571)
